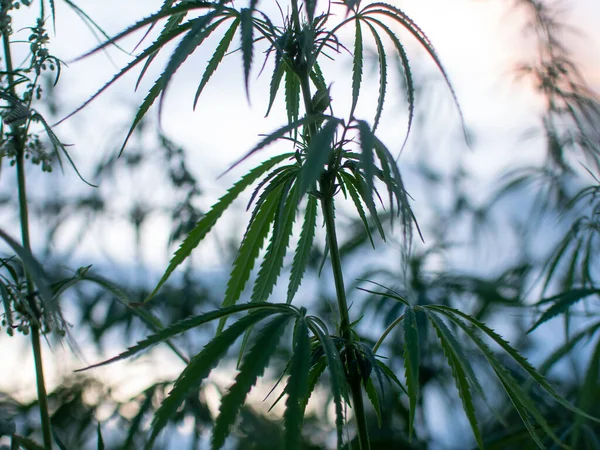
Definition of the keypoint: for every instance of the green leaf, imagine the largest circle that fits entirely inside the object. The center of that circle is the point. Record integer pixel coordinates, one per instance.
(357, 182)
(523, 363)
(253, 366)
(317, 155)
(561, 303)
(199, 368)
(163, 40)
(411, 364)
(297, 386)
(200, 30)
(210, 219)
(357, 66)
(391, 375)
(374, 399)
(276, 135)
(273, 260)
(292, 96)
(247, 28)
(459, 365)
(410, 87)
(172, 22)
(302, 255)
(349, 186)
(337, 379)
(187, 324)
(382, 76)
(276, 78)
(249, 249)
(216, 59)
(367, 143)
(400, 17)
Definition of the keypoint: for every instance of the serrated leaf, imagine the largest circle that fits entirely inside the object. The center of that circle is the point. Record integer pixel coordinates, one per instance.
(146, 316)
(391, 375)
(172, 22)
(411, 364)
(292, 96)
(410, 86)
(250, 247)
(357, 181)
(317, 155)
(148, 52)
(297, 386)
(26, 443)
(252, 367)
(187, 324)
(247, 28)
(199, 31)
(276, 78)
(400, 17)
(210, 219)
(561, 303)
(337, 379)
(276, 135)
(216, 58)
(273, 260)
(357, 66)
(520, 360)
(199, 368)
(348, 185)
(303, 248)
(367, 143)
(374, 399)
(382, 75)
(458, 363)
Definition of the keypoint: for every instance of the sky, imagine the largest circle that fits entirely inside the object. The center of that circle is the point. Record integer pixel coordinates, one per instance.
(478, 41)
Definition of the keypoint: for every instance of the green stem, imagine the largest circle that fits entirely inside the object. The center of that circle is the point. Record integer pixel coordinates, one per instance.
(19, 145)
(327, 187)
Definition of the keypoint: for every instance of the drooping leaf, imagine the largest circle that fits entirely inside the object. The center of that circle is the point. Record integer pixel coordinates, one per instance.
(411, 363)
(410, 86)
(210, 219)
(303, 248)
(99, 439)
(216, 59)
(199, 368)
(297, 385)
(252, 367)
(247, 29)
(357, 66)
(317, 155)
(337, 379)
(400, 17)
(356, 180)
(458, 363)
(374, 399)
(453, 314)
(367, 143)
(349, 186)
(382, 75)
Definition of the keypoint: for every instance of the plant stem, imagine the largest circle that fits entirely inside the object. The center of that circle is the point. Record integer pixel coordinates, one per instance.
(19, 145)
(327, 185)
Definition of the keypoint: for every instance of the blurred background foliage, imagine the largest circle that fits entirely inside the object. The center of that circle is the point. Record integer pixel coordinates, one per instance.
(544, 215)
